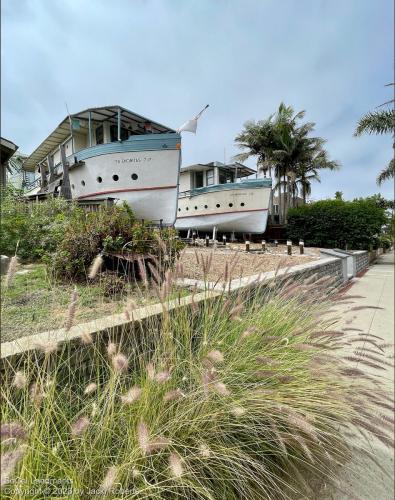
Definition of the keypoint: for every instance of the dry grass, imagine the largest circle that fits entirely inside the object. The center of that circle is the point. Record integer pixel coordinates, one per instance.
(239, 262)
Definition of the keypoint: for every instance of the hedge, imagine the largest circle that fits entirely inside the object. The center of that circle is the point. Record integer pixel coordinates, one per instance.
(354, 224)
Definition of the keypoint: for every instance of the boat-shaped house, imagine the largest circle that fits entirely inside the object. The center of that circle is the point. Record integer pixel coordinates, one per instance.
(218, 197)
(111, 152)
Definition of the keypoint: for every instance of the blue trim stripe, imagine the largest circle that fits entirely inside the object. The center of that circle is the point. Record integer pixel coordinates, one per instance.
(247, 184)
(147, 142)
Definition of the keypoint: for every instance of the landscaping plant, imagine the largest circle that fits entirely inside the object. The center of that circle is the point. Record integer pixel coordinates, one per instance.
(241, 396)
(337, 223)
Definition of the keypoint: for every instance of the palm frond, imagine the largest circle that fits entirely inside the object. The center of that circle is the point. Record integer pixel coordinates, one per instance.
(387, 173)
(377, 122)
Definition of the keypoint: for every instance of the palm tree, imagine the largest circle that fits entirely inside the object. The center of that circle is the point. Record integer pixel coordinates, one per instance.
(282, 145)
(380, 122)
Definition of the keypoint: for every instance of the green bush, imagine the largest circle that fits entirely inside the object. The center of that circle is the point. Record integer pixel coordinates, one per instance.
(385, 242)
(37, 228)
(67, 238)
(337, 223)
(109, 230)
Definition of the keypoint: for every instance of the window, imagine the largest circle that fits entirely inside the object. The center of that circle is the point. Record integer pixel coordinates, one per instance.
(231, 205)
(83, 183)
(72, 186)
(205, 206)
(179, 209)
(99, 135)
(225, 176)
(114, 133)
(242, 204)
(187, 208)
(195, 208)
(198, 180)
(115, 177)
(99, 179)
(210, 177)
(217, 205)
(134, 177)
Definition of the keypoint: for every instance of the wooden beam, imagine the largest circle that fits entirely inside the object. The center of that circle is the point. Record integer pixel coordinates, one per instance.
(51, 169)
(65, 189)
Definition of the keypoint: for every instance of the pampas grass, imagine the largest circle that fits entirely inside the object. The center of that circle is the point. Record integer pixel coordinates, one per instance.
(131, 396)
(20, 380)
(9, 462)
(95, 267)
(109, 480)
(120, 363)
(244, 395)
(71, 310)
(79, 426)
(176, 465)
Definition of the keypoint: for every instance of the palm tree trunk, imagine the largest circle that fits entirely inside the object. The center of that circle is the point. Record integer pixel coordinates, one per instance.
(285, 200)
(278, 183)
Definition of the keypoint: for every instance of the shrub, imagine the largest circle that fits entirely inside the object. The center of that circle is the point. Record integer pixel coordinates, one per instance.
(236, 398)
(67, 238)
(337, 223)
(109, 230)
(37, 228)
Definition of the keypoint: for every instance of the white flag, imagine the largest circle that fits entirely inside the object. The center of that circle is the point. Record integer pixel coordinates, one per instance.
(191, 125)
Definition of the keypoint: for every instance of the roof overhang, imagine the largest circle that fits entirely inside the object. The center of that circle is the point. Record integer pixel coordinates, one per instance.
(242, 170)
(8, 148)
(97, 115)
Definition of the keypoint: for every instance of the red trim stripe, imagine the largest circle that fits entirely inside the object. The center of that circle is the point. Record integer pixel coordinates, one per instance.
(221, 213)
(125, 191)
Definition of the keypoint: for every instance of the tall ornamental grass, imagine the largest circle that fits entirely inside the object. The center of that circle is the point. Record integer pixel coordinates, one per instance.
(246, 395)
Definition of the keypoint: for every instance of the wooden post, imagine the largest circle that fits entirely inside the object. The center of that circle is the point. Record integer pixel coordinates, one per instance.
(43, 174)
(289, 247)
(224, 240)
(90, 128)
(301, 247)
(207, 240)
(194, 238)
(51, 168)
(263, 246)
(65, 189)
(247, 246)
(119, 124)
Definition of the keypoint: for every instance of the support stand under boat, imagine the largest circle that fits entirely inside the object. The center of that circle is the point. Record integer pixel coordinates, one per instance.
(214, 234)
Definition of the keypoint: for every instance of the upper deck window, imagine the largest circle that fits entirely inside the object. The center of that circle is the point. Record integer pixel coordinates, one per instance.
(114, 133)
(225, 176)
(99, 134)
(198, 180)
(210, 177)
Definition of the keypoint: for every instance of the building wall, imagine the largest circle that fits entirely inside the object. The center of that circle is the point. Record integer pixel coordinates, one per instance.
(185, 181)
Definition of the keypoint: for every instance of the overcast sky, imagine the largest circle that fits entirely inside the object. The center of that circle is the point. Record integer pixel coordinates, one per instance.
(166, 59)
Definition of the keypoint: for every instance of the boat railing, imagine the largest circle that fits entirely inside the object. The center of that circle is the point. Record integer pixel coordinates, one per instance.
(33, 184)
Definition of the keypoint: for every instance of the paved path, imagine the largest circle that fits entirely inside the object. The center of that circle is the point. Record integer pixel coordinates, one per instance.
(361, 479)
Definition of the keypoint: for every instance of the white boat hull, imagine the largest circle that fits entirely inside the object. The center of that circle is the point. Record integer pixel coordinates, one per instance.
(241, 210)
(146, 180)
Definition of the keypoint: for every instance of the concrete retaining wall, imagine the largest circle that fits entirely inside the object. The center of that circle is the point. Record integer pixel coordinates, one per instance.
(361, 260)
(328, 266)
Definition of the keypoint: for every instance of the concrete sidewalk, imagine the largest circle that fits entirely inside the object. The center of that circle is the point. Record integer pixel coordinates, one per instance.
(361, 478)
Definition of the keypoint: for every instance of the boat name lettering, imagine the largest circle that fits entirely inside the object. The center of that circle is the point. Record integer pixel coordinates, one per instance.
(134, 160)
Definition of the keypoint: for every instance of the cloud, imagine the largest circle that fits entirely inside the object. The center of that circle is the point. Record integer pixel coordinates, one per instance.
(166, 59)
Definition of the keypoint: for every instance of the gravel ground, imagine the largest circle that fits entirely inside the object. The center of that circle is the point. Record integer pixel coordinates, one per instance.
(241, 263)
